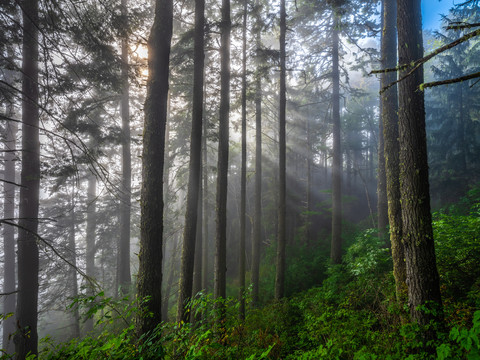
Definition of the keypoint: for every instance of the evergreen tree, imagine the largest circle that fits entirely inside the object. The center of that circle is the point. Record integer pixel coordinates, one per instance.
(150, 257)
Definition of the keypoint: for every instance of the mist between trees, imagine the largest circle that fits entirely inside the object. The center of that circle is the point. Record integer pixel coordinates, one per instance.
(173, 172)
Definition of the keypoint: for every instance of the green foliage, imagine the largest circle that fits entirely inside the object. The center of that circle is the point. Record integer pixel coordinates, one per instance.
(368, 256)
(464, 343)
(351, 315)
(456, 232)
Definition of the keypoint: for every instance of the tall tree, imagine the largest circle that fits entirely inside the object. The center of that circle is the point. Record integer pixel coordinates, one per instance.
(243, 180)
(389, 119)
(336, 247)
(123, 270)
(26, 339)
(257, 231)
(205, 217)
(417, 235)
(9, 283)
(194, 179)
(151, 233)
(382, 203)
(72, 247)
(90, 237)
(222, 163)
(281, 239)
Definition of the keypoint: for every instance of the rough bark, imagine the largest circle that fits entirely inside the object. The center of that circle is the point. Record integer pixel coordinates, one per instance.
(9, 284)
(389, 116)
(190, 229)
(26, 339)
(422, 274)
(123, 264)
(151, 227)
(243, 175)
(336, 246)
(281, 238)
(257, 238)
(220, 271)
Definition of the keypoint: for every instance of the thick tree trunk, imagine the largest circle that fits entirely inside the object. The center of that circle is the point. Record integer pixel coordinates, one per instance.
(336, 246)
(243, 180)
(382, 204)
(26, 339)
(28, 262)
(389, 114)
(222, 165)
(257, 238)
(123, 262)
(9, 284)
(422, 275)
(151, 227)
(90, 238)
(281, 239)
(190, 229)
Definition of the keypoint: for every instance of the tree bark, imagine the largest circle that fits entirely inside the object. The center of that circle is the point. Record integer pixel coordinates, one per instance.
(281, 239)
(389, 115)
(190, 229)
(151, 227)
(243, 180)
(222, 165)
(26, 339)
(336, 246)
(257, 239)
(9, 283)
(123, 270)
(422, 274)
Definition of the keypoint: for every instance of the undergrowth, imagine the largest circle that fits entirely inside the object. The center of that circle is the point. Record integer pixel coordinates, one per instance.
(352, 315)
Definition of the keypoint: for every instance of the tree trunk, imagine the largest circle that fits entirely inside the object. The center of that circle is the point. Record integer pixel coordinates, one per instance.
(26, 339)
(336, 247)
(257, 239)
(9, 284)
(222, 165)
(90, 238)
(243, 180)
(72, 248)
(389, 115)
(205, 247)
(281, 239)
(170, 280)
(308, 233)
(188, 252)
(197, 271)
(422, 275)
(151, 227)
(123, 270)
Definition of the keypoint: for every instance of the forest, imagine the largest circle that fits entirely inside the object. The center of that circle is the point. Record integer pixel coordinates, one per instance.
(239, 179)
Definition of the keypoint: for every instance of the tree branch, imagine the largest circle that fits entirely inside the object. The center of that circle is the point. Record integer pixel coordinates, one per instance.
(450, 81)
